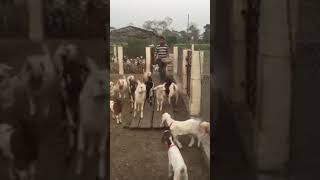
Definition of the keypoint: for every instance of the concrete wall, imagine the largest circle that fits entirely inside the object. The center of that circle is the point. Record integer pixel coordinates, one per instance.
(274, 88)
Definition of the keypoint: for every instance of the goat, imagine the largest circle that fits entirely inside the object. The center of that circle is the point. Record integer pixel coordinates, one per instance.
(172, 91)
(122, 86)
(160, 95)
(140, 96)
(177, 166)
(39, 74)
(189, 127)
(149, 87)
(93, 117)
(71, 71)
(116, 109)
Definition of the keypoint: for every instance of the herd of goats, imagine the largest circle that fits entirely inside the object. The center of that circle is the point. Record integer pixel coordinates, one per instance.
(141, 92)
(130, 65)
(63, 76)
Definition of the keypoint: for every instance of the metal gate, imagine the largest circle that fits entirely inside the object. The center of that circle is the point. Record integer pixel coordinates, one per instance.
(188, 67)
(79, 19)
(251, 16)
(13, 18)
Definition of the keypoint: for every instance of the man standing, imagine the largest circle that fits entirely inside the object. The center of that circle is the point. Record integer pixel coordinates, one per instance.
(162, 52)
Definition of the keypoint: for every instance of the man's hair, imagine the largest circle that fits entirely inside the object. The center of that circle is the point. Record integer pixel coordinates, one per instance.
(161, 37)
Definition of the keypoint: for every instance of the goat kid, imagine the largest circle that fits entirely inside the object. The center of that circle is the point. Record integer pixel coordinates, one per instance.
(116, 109)
(93, 124)
(177, 166)
(140, 96)
(189, 127)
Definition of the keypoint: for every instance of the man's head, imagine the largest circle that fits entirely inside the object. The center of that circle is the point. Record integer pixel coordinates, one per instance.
(162, 41)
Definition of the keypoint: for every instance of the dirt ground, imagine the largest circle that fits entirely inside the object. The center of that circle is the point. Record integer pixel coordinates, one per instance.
(140, 155)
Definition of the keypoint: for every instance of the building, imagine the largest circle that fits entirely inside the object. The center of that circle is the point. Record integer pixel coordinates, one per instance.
(130, 32)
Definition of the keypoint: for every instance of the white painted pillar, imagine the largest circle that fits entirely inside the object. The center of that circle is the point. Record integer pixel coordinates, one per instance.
(184, 71)
(195, 99)
(175, 60)
(148, 59)
(192, 47)
(115, 53)
(35, 20)
(120, 60)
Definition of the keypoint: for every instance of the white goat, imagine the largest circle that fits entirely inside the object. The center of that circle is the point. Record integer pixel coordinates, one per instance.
(160, 95)
(177, 166)
(122, 86)
(39, 74)
(140, 96)
(189, 127)
(93, 117)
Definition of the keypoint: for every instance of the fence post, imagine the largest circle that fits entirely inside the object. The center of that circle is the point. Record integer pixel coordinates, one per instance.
(195, 99)
(175, 60)
(115, 53)
(35, 20)
(201, 62)
(184, 71)
(120, 60)
(192, 47)
(148, 59)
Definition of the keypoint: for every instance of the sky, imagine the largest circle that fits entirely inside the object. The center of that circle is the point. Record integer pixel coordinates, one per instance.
(124, 12)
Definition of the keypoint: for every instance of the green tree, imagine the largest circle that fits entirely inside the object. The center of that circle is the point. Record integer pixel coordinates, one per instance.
(206, 33)
(193, 32)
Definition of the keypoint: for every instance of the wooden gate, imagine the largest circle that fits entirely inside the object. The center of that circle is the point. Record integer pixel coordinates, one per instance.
(13, 18)
(75, 19)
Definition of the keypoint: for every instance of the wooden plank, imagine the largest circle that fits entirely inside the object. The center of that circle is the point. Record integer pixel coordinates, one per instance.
(147, 116)
(158, 114)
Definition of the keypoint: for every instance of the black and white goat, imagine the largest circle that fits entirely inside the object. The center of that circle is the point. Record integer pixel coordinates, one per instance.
(116, 110)
(132, 86)
(72, 71)
(177, 167)
(94, 123)
(149, 87)
(172, 91)
(191, 127)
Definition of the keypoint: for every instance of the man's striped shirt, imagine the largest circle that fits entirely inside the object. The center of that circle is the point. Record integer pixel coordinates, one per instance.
(162, 51)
